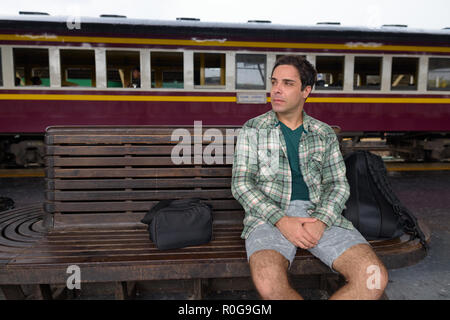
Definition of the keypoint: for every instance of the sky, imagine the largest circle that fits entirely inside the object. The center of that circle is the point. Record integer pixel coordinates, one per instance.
(429, 14)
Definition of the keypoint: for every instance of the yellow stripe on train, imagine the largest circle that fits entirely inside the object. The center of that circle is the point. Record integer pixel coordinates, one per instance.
(98, 97)
(225, 43)
(92, 97)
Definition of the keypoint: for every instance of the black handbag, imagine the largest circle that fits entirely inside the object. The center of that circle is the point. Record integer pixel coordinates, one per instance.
(174, 224)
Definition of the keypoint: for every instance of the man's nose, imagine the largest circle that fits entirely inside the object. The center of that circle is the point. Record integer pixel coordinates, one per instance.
(276, 88)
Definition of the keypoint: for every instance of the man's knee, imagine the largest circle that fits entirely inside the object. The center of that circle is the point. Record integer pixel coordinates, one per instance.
(377, 277)
(361, 267)
(269, 272)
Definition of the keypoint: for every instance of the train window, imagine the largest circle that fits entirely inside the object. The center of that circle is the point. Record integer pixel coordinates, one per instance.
(167, 70)
(31, 67)
(77, 68)
(330, 72)
(404, 73)
(209, 69)
(250, 71)
(1, 70)
(367, 73)
(123, 69)
(439, 74)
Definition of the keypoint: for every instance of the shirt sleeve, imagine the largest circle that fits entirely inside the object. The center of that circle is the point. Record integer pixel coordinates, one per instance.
(335, 188)
(243, 181)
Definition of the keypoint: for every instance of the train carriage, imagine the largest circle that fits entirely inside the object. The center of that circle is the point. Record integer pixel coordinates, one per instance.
(391, 82)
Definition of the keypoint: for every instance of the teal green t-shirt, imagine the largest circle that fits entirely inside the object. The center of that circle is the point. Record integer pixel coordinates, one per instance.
(292, 138)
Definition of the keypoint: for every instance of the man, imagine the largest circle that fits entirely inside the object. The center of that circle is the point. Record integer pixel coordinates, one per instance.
(289, 176)
(135, 78)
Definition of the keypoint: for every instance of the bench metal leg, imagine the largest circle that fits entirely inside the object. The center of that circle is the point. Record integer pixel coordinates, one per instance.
(125, 290)
(46, 291)
(198, 290)
(13, 292)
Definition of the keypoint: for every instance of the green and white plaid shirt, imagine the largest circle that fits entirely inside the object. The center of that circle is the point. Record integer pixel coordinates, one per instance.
(261, 178)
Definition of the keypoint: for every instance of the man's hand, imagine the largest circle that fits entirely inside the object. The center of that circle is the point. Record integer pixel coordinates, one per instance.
(315, 229)
(299, 231)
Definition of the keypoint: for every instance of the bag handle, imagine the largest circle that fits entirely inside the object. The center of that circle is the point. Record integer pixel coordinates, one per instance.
(165, 203)
(152, 213)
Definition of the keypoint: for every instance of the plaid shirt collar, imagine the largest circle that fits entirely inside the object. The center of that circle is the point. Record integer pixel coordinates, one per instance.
(274, 122)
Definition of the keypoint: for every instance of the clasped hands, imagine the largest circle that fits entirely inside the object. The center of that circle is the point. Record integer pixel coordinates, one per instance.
(304, 233)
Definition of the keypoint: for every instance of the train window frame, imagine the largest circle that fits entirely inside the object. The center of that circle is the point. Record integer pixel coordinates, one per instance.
(25, 83)
(377, 87)
(437, 89)
(1, 68)
(129, 71)
(223, 71)
(247, 87)
(397, 80)
(63, 70)
(338, 88)
(153, 86)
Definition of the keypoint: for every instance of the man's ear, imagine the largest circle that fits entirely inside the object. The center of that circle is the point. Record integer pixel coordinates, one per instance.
(306, 91)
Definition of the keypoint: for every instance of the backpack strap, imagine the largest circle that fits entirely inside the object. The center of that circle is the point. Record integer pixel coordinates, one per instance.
(407, 219)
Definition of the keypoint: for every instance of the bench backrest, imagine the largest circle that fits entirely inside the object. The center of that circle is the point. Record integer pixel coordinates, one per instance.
(100, 176)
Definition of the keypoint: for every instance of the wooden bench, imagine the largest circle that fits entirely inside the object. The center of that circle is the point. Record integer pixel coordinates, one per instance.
(100, 181)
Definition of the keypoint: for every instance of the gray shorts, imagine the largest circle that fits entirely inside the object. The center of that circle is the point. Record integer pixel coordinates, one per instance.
(333, 243)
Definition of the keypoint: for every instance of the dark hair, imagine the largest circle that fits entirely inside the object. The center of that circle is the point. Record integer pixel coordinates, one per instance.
(307, 72)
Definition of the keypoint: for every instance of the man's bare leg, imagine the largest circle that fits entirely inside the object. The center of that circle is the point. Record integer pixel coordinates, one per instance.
(269, 274)
(358, 264)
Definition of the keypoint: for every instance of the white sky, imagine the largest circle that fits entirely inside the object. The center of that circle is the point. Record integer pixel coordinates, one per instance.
(428, 14)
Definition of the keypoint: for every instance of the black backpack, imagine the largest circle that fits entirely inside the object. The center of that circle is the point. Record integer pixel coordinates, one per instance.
(373, 207)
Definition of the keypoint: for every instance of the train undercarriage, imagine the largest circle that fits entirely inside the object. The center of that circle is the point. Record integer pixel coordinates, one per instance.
(22, 151)
(408, 146)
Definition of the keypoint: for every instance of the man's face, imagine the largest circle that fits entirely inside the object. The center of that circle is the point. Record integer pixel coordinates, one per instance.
(286, 94)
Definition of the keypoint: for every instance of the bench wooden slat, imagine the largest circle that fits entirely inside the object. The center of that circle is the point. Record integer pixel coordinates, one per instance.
(133, 240)
(154, 183)
(115, 139)
(143, 206)
(171, 137)
(65, 132)
(99, 130)
(132, 256)
(131, 259)
(102, 246)
(142, 172)
(108, 150)
(130, 250)
(135, 150)
(125, 161)
(130, 220)
(136, 195)
(65, 245)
